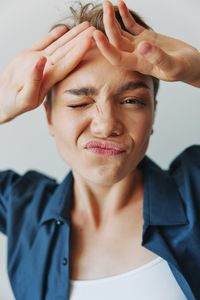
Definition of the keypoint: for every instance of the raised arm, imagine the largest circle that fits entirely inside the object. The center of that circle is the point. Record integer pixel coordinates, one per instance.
(28, 78)
(146, 51)
(26, 81)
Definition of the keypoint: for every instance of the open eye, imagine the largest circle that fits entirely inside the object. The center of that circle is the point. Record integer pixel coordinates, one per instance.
(135, 101)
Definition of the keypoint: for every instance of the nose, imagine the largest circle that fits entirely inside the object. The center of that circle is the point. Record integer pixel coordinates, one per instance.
(106, 122)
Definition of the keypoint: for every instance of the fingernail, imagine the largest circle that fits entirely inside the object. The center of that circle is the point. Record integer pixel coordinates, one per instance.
(107, 5)
(85, 23)
(60, 27)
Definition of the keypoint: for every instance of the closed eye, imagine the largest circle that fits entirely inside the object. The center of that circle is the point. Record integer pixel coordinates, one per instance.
(77, 106)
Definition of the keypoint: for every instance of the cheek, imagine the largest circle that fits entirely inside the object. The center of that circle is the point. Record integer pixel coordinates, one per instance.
(67, 129)
(140, 128)
(140, 125)
(70, 126)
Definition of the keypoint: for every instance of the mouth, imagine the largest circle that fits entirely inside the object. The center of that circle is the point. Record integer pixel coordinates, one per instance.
(105, 148)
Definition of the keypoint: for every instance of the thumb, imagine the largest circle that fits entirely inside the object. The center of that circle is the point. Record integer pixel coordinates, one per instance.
(155, 55)
(31, 88)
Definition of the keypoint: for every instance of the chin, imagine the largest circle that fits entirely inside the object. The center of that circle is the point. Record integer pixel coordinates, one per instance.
(106, 175)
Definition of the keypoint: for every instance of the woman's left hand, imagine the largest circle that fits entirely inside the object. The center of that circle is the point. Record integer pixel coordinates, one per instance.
(144, 50)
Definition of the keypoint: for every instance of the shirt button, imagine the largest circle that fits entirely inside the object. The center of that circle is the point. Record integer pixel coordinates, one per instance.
(64, 261)
(59, 222)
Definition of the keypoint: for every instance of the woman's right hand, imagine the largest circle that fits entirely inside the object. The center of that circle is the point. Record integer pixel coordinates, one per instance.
(27, 79)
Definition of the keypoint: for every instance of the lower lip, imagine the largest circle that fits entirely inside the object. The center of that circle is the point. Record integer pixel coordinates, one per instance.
(106, 152)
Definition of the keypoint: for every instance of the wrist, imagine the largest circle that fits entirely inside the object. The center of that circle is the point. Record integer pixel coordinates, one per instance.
(196, 79)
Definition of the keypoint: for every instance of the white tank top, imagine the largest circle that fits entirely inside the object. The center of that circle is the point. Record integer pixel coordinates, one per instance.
(153, 281)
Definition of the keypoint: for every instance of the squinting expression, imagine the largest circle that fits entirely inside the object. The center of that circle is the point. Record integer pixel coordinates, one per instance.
(99, 102)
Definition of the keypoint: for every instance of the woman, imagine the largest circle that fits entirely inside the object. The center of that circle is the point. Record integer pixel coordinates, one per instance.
(118, 226)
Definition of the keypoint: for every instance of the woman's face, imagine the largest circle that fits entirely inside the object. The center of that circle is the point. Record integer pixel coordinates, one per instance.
(108, 112)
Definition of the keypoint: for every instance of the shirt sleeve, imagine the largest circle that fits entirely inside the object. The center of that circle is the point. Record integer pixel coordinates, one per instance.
(187, 163)
(8, 179)
(185, 169)
(21, 193)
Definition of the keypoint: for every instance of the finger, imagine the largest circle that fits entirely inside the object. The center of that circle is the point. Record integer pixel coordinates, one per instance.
(112, 12)
(113, 55)
(29, 94)
(111, 25)
(66, 65)
(62, 51)
(108, 50)
(50, 38)
(66, 37)
(156, 56)
(128, 20)
(113, 29)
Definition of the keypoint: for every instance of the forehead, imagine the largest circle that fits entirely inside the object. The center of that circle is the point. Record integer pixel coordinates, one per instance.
(95, 69)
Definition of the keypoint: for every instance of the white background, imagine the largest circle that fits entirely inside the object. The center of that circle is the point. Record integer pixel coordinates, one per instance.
(25, 142)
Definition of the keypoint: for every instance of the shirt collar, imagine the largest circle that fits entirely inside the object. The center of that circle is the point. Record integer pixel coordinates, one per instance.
(58, 207)
(163, 204)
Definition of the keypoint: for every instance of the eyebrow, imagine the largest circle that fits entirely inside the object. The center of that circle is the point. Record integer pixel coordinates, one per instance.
(91, 91)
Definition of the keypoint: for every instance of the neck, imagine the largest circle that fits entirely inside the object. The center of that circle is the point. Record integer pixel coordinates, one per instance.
(97, 205)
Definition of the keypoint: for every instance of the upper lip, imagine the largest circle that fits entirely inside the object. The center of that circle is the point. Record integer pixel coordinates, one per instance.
(104, 145)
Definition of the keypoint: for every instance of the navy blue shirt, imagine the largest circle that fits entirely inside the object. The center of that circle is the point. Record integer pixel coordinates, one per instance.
(35, 216)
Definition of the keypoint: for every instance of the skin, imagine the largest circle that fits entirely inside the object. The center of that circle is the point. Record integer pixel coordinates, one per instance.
(146, 51)
(33, 72)
(114, 59)
(103, 184)
(28, 78)
(54, 62)
(108, 191)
